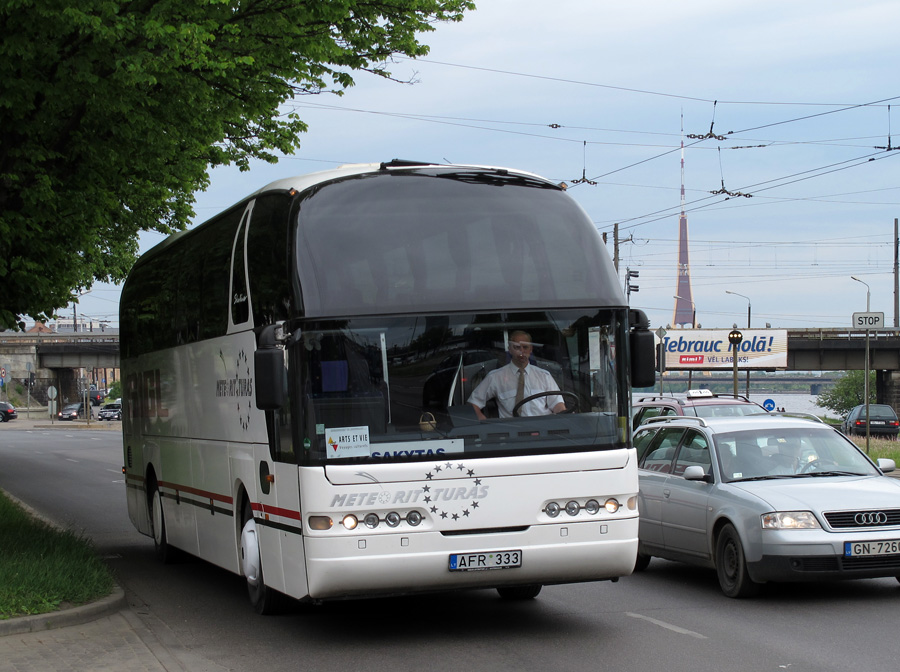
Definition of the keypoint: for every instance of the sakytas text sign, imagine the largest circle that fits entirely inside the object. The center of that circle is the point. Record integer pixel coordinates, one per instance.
(709, 349)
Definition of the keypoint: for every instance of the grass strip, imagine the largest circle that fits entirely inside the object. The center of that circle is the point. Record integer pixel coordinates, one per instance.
(43, 568)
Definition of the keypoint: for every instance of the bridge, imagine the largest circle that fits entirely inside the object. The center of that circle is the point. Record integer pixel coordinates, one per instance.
(834, 349)
(55, 359)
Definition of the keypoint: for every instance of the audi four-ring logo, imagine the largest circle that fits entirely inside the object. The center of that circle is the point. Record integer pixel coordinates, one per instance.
(871, 518)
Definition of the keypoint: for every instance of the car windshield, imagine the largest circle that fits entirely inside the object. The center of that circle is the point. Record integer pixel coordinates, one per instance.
(879, 413)
(788, 453)
(723, 410)
(72, 407)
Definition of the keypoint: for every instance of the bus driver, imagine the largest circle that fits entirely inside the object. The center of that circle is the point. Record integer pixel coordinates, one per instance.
(516, 381)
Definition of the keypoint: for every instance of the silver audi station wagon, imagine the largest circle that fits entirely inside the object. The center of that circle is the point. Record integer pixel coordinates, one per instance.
(765, 498)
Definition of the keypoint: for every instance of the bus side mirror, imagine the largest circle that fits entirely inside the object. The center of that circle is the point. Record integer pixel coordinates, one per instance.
(268, 362)
(643, 352)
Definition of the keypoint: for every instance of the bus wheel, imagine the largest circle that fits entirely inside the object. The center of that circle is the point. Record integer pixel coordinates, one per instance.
(520, 592)
(264, 600)
(164, 552)
(642, 562)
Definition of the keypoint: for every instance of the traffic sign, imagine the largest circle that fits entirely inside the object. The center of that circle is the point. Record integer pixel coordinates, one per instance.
(769, 404)
(51, 392)
(3, 372)
(868, 320)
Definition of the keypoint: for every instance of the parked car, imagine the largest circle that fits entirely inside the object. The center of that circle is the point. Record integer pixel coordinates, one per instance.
(110, 412)
(96, 397)
(700, 403)
(72, 411)
(7, 412)
(765, 498)
(883, 421)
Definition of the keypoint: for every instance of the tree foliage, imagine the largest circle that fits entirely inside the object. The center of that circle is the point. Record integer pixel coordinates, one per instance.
(113, 112)
(848, 392)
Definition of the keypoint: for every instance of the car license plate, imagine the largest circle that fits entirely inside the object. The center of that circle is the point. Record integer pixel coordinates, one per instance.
(853, 549)
(476, 562)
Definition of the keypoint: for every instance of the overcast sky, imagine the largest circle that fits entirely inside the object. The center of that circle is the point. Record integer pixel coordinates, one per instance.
(803, 93)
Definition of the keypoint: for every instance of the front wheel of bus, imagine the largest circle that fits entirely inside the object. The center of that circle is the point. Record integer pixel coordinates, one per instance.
(264, 600)
(520, 592)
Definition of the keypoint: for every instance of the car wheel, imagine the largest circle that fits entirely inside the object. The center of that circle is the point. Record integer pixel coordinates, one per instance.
(731, 565)
(264, 600)
(520, 592)
(642, 562)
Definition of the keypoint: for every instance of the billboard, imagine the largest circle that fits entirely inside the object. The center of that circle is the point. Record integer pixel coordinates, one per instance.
(707, 349)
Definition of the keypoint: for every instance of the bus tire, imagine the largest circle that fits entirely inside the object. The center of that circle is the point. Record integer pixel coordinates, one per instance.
(264, 600)
(164, 552)
(642, 562)
(520, 592)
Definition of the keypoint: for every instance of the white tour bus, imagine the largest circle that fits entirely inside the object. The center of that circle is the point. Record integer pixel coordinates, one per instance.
(297, 371)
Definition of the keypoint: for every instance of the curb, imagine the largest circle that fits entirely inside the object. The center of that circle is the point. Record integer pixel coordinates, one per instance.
(106, 606)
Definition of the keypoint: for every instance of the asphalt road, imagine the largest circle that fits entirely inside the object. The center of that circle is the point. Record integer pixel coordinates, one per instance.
(670, 618)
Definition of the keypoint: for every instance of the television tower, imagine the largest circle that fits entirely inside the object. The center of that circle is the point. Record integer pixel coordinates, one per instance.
(685, 309)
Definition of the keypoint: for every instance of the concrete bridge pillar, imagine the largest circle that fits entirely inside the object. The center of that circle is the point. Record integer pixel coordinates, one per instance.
(887, 388)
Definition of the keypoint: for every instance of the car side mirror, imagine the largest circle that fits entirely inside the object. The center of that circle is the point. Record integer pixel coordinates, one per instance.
(695, 473)
(886, 465)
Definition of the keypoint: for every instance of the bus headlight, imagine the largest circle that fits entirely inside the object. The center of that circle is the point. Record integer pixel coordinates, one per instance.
(592, 506)
(392, 519)
(371, 520)
(350, 522)
(414, 518)
(572, 508)
(612, 504)
(552, 509)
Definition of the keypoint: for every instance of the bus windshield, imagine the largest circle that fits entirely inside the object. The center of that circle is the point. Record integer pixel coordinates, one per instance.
(405, 384)
(431, 240)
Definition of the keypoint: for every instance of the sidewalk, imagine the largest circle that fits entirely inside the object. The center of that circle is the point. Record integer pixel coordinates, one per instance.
(102, 637)
(40, 420)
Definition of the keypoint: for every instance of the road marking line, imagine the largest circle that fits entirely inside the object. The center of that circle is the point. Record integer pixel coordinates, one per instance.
(69, 459)
(667, 626)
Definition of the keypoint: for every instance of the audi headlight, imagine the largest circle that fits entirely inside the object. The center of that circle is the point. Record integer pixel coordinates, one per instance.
(790, 520)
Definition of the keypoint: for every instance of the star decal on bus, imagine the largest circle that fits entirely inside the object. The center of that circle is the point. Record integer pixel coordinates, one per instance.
(450, 497)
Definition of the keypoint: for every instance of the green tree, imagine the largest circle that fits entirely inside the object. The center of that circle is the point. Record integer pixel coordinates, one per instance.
(848, 392)
(113, 111)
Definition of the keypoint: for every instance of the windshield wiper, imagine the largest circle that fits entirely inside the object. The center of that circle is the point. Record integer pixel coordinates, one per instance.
(766, 477)
(834, 473)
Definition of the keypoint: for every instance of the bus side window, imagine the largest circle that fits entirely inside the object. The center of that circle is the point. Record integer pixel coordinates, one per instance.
(240, 301)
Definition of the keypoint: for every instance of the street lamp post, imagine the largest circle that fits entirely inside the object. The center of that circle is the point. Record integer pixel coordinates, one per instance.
(866, 373)
(748, 326)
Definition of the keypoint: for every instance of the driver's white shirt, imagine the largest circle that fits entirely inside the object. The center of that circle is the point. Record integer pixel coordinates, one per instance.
(500, 384)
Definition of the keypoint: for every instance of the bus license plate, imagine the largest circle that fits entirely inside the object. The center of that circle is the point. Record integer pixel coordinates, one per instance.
(853, 549)
(476, 562)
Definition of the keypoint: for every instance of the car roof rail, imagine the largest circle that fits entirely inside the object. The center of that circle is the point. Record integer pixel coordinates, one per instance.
(660, 397)
(740, 397)
(672, 418)
(796, 414)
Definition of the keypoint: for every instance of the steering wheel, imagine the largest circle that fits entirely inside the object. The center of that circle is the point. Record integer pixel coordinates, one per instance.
(809, 465)
(565, 395)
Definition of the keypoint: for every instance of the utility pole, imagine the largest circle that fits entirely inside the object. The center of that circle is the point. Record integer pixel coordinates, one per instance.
(616, 246)
(896, 278)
